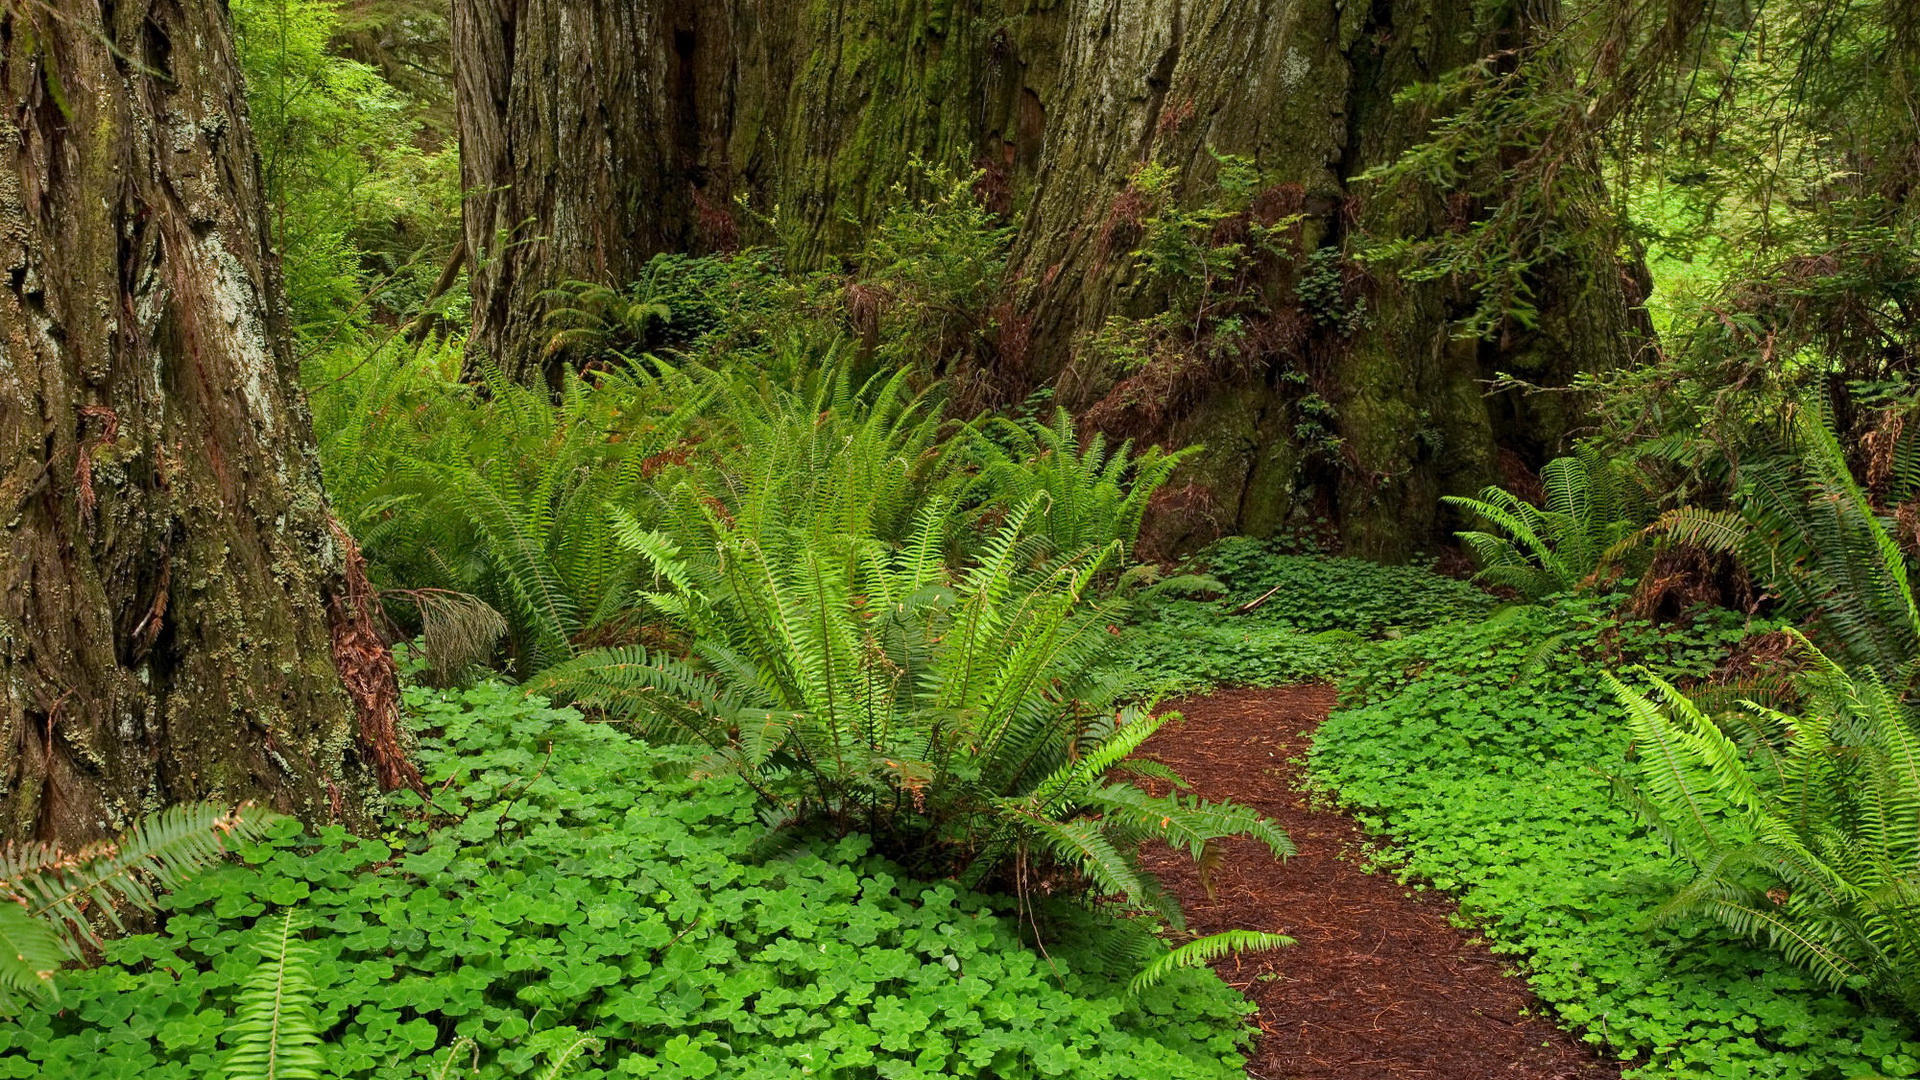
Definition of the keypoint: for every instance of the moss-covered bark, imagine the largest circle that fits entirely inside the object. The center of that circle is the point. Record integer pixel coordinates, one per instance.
(165, 555)
(816, 107)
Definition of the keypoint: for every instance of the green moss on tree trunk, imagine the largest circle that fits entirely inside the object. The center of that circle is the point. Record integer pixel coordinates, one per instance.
(815, 108)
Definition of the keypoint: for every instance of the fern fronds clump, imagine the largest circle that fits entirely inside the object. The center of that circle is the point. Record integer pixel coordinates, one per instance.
(1824, 544)
(968, 718)
(1092, 493)
(1807, 841)
(53, 903)
(1567, 545)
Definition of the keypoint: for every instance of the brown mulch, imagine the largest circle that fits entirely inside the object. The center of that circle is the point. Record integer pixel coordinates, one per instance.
(1380, 984)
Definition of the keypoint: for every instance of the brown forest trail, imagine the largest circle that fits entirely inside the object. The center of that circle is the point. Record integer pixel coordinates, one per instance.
(1381, 985)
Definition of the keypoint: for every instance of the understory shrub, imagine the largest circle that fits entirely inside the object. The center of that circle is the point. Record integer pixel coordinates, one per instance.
(1838, 554)
(587, 886)
(1568, 544)
(966, 718)
(1484, 752)
(491, 511)
(1090, 493)
(1803, 831)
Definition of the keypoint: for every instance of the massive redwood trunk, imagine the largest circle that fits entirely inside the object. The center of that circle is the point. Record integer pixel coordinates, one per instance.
(594, 140)
(172, 596)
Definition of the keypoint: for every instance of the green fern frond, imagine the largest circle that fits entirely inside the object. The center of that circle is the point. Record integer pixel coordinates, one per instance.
(1203, 951)
(30, 955)
(159, 852)
(276, 1028)
(558, 1063)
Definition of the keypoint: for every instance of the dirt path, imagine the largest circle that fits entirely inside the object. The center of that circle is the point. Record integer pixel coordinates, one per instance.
(1380, 984)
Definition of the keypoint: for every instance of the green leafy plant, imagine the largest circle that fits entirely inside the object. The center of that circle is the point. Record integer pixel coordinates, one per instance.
(583, 884)
(276, 1032)
(1092, 494)
(931, 272)
(1204, 951)
(967, 719)
(1510, 808)
(276, 1024)
(363, 204)
(1250, 613)
(819, 453)
(1823, 544)
(503, 497)
(52, 901)
(1567, 545)
(1807, 838)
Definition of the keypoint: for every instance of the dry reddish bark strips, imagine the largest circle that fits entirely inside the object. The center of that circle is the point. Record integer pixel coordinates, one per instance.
(1380, 984)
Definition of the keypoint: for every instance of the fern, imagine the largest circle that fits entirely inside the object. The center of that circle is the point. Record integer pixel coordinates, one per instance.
(53, 901)
(1565, 546)
(557, 1064)
(1091, 494)
(1203, 951)
(30, 954)
(275, 1029)
(966, 715)
(276, 1025)
(1806, 527)
(1810, 843)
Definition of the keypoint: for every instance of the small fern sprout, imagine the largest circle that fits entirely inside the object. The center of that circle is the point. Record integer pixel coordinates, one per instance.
(1203, 951)
(559, 1063)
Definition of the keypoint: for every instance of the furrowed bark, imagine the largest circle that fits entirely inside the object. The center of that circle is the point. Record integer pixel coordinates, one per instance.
(166, 562)
(816, 107)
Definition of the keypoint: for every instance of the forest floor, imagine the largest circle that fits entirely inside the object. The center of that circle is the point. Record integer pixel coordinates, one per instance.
(1381, 983)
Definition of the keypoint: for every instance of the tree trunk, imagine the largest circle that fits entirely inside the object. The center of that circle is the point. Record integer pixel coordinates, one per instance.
(172, 596)
(639, 136)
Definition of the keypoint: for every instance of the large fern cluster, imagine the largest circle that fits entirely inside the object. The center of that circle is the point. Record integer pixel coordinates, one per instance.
(498, 510)
(1803, 831)
(1829, 549)
(53, 902)
(472, 501)
(1564, 546)
(870, 663)
(966, 718)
